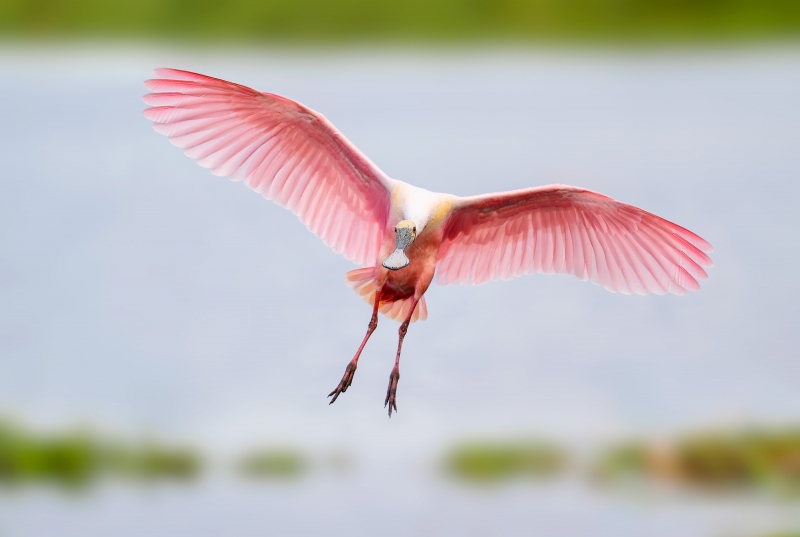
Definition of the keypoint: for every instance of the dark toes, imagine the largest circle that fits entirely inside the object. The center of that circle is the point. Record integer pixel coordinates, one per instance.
(392, 404)
(391, 393)
(345, 383)
(337, 392)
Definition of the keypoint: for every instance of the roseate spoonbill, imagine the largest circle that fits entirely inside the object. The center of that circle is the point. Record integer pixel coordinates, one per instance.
(402, 234)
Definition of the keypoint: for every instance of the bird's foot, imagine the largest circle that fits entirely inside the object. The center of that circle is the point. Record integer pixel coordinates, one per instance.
(391, 393)
(346, 381)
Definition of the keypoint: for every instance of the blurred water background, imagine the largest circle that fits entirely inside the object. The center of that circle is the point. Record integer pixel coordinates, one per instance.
(167, 338)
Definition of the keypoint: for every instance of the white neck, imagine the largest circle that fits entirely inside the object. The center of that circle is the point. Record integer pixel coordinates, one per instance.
(418, 205)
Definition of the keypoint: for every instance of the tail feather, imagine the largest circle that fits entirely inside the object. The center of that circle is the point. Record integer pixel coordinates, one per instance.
(362, 281)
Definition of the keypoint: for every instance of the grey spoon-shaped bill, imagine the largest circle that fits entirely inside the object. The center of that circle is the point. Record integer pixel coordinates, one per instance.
(398, 258)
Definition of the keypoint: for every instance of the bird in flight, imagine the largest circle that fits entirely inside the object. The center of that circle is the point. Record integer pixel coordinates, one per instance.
(402, 234)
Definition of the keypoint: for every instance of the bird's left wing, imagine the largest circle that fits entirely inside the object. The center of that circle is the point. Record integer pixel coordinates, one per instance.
(569, 230)
(279, 148)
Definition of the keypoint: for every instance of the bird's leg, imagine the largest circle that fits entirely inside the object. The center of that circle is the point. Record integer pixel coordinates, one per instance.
(350, 371)
(394, 376)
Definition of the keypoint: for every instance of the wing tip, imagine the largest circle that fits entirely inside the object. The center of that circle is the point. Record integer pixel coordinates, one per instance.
(168, 72)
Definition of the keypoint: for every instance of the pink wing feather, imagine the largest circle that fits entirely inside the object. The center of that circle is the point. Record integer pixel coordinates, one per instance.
(568, 230)
(279, 148)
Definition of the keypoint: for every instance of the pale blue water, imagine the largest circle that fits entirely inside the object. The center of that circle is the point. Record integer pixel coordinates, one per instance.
(140, 293)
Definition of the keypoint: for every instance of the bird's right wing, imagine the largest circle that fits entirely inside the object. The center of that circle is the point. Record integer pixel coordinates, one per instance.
(279, 148)
(568, 230)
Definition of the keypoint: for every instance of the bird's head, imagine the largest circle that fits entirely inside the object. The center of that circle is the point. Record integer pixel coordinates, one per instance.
(405, 233)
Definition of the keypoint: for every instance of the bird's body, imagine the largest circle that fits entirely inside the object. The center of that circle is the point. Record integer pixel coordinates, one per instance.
(428, 211)
(403, 235)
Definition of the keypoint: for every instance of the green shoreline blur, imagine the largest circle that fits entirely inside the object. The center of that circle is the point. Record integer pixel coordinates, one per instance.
(738, 460)
(75, 458)
(491, 461)
(310, 21)
(766, 460)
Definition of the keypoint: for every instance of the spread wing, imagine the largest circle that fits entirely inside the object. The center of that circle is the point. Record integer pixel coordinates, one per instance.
(568, 230)
(279, 148)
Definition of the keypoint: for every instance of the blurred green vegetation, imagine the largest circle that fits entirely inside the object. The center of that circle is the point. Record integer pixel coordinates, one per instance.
(488, 462)
(274, 463)
(411, 20)
(75, 458)
(628, 460)
(758, 460)
(69, 459)
(151, 461)
(768, 460)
